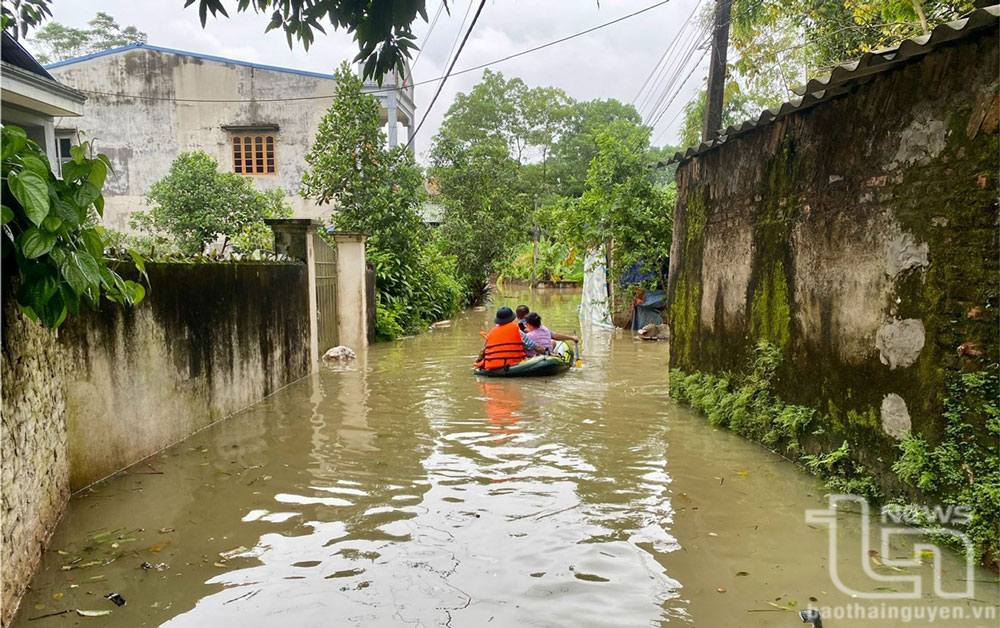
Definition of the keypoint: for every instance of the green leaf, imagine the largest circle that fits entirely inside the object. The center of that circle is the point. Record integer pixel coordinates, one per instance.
(70, 298)
(93, 242)
(140, 264)
(34, 163)
(99, 205)
(86, 194)
(107, 162)
(72, 171)
(8, 215)
(35, 242)
(75, 278)
(78, 152)
(32, 192)
(98, 172)
(14, 141)
(67, 214)
(51, 224)
(91, 269)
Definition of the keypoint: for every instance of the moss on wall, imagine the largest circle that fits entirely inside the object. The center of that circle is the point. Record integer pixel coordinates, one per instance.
(872, 208)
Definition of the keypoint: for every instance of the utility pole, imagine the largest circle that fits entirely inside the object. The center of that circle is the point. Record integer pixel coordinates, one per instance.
(717, 71)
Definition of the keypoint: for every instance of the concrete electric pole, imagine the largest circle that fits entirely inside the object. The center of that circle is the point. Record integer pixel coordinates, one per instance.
(717, 71)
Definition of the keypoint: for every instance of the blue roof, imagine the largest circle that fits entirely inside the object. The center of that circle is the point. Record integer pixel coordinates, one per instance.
(111, 51)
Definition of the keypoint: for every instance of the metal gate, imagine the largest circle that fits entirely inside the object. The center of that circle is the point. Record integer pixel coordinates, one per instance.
(326, 294)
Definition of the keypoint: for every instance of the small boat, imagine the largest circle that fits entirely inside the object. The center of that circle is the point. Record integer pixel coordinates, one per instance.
(556, 362)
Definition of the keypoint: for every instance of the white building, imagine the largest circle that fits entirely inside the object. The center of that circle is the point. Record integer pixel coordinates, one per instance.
(146, 105)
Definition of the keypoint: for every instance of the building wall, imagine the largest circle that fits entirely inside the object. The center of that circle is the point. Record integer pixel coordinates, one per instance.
(859, 237)
(114, 386)
(142, 136)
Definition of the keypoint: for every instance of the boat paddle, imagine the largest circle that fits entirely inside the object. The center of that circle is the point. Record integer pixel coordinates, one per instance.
(576, 346)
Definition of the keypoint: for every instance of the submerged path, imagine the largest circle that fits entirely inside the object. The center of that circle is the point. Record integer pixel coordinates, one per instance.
(402, 491)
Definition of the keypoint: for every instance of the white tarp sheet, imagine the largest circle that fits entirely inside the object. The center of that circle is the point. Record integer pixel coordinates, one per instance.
(595, 304)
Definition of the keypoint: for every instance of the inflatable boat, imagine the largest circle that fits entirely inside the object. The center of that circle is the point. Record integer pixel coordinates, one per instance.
(558, 361)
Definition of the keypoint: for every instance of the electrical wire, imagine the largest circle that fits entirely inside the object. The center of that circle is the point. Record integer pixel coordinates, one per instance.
(670, 46)
(472, 25)
(427, 37)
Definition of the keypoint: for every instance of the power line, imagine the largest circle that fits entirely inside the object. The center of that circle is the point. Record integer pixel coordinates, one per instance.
(387, 89)
(666, 52)
(427, 37)
(475, 18)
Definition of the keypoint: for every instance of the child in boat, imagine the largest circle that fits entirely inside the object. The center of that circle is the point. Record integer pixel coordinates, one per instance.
(538, 334)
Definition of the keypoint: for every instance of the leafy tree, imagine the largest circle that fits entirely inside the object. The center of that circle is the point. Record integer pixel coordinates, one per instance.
(485, 218)
(621, 209)
(49, 232)
(17, 16)
(196, 204)
(57, 42)
(378, 191)
(577, 146)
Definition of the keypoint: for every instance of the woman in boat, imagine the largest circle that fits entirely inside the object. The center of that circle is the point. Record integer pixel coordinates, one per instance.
(538, 334)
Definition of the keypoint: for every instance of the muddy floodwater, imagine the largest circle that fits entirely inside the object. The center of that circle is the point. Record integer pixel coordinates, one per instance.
(401, 490)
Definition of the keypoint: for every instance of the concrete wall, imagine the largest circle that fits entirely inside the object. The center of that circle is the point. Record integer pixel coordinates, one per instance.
(860, 237)
(143, 136)
(116, 385)
(35, 478)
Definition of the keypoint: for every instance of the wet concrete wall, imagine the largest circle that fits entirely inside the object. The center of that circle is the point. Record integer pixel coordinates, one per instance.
(859, 237)
(116, 385)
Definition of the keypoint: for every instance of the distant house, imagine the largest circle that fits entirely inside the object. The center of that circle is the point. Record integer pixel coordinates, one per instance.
(146, 105)
(32, 99)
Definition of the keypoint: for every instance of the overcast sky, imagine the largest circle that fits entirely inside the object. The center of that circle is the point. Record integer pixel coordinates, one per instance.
(612, 62)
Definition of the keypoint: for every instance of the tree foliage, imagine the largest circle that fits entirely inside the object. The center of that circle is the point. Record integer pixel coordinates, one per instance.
(57, 42)
(381, 27)
(50, 235)
(195, 204)
(621, 209)
(378, 191)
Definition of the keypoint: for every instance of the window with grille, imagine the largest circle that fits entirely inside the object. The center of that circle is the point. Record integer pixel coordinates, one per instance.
(254, 154)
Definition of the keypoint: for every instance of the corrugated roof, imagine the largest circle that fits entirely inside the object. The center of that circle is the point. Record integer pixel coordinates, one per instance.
(844, 76)
(196, 55)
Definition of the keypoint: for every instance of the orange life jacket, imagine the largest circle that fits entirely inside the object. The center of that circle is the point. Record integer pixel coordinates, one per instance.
(504, 346)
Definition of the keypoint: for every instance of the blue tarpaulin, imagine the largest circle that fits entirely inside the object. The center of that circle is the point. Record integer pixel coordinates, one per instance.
(650, 310)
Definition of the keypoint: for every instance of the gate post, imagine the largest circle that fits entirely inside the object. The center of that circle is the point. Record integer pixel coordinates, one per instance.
(293, 237)
(352, 293)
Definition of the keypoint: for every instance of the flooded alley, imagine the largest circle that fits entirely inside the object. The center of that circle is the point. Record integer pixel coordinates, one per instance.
(402, 490)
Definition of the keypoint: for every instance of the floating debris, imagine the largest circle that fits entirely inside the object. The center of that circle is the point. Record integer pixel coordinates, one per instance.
(83, 613)
(233, 553)
(116, 598)
(812, 617)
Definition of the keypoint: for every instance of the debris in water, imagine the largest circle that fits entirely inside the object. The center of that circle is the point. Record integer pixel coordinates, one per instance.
(812, 617)
(721, 590)
(159, 546)
(742, 573)
(233, 553)
(68, 610)
(116, 598)
(165, 530)
(83, 613)
(57, 596)
(145, 566)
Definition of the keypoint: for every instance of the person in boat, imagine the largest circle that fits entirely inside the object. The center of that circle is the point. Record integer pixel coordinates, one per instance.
(522, 311)
(506, 345)
(537, 333)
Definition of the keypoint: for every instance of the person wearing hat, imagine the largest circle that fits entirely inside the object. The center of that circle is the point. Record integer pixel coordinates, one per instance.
(506, 344)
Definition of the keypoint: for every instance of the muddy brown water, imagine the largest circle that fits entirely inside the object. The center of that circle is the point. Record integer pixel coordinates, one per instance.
(403, 491)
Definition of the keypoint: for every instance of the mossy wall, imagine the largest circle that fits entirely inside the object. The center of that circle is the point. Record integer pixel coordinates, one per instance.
(860, 237)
